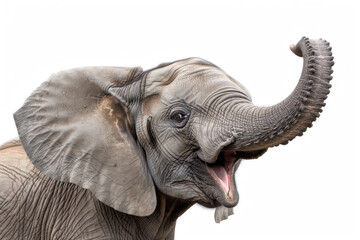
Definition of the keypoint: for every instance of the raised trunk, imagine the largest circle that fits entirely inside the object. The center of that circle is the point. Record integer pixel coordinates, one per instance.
(264, 127)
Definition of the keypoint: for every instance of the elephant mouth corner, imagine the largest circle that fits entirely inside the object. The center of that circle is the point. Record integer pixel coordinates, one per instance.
(223, 170)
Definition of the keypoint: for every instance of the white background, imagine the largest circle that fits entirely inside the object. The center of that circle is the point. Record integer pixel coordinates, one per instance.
(308, 189)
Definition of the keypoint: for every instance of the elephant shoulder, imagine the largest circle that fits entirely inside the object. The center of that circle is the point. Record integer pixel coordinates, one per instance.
(15, 167)
(12, 154)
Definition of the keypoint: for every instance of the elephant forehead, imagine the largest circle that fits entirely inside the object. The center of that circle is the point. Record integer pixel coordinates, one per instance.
(199, 89)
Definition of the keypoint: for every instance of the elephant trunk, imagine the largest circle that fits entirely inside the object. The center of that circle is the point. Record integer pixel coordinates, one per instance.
(264, 127)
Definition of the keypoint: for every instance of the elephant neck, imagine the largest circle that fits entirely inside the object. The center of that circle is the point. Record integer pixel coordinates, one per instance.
(161, 223)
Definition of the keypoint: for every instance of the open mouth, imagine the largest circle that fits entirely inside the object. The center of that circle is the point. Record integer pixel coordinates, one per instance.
(222, 170)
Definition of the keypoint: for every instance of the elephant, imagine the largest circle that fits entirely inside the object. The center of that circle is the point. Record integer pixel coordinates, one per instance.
(121, 153)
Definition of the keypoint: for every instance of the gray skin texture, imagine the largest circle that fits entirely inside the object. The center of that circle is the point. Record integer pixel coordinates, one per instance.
(121, 153)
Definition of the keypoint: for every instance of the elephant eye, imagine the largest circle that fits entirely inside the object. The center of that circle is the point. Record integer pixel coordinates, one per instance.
(180, 117)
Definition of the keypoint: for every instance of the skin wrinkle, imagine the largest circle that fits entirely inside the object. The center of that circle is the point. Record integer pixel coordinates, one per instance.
(4, 212)
(11, 173)
(180, 169)
(208, 194)
(170, 155)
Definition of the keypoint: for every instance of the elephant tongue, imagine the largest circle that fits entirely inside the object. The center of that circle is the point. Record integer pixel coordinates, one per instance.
(220, 173)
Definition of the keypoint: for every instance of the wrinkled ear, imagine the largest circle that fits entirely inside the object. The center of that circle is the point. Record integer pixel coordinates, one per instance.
(74, 130)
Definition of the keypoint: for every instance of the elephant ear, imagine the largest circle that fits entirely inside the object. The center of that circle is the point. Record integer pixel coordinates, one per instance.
(73, 130)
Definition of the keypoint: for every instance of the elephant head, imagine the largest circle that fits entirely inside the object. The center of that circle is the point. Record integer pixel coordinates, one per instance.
(180, 128)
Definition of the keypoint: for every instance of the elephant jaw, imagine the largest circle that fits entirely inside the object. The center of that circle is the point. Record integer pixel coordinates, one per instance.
(222, 172)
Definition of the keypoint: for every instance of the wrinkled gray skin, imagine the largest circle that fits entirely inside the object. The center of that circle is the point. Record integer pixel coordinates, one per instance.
(118, 153)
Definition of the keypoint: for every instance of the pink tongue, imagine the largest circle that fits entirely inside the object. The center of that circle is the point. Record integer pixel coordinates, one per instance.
(222, 176)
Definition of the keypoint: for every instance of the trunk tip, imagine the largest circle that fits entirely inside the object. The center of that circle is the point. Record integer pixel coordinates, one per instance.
(296, 50)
